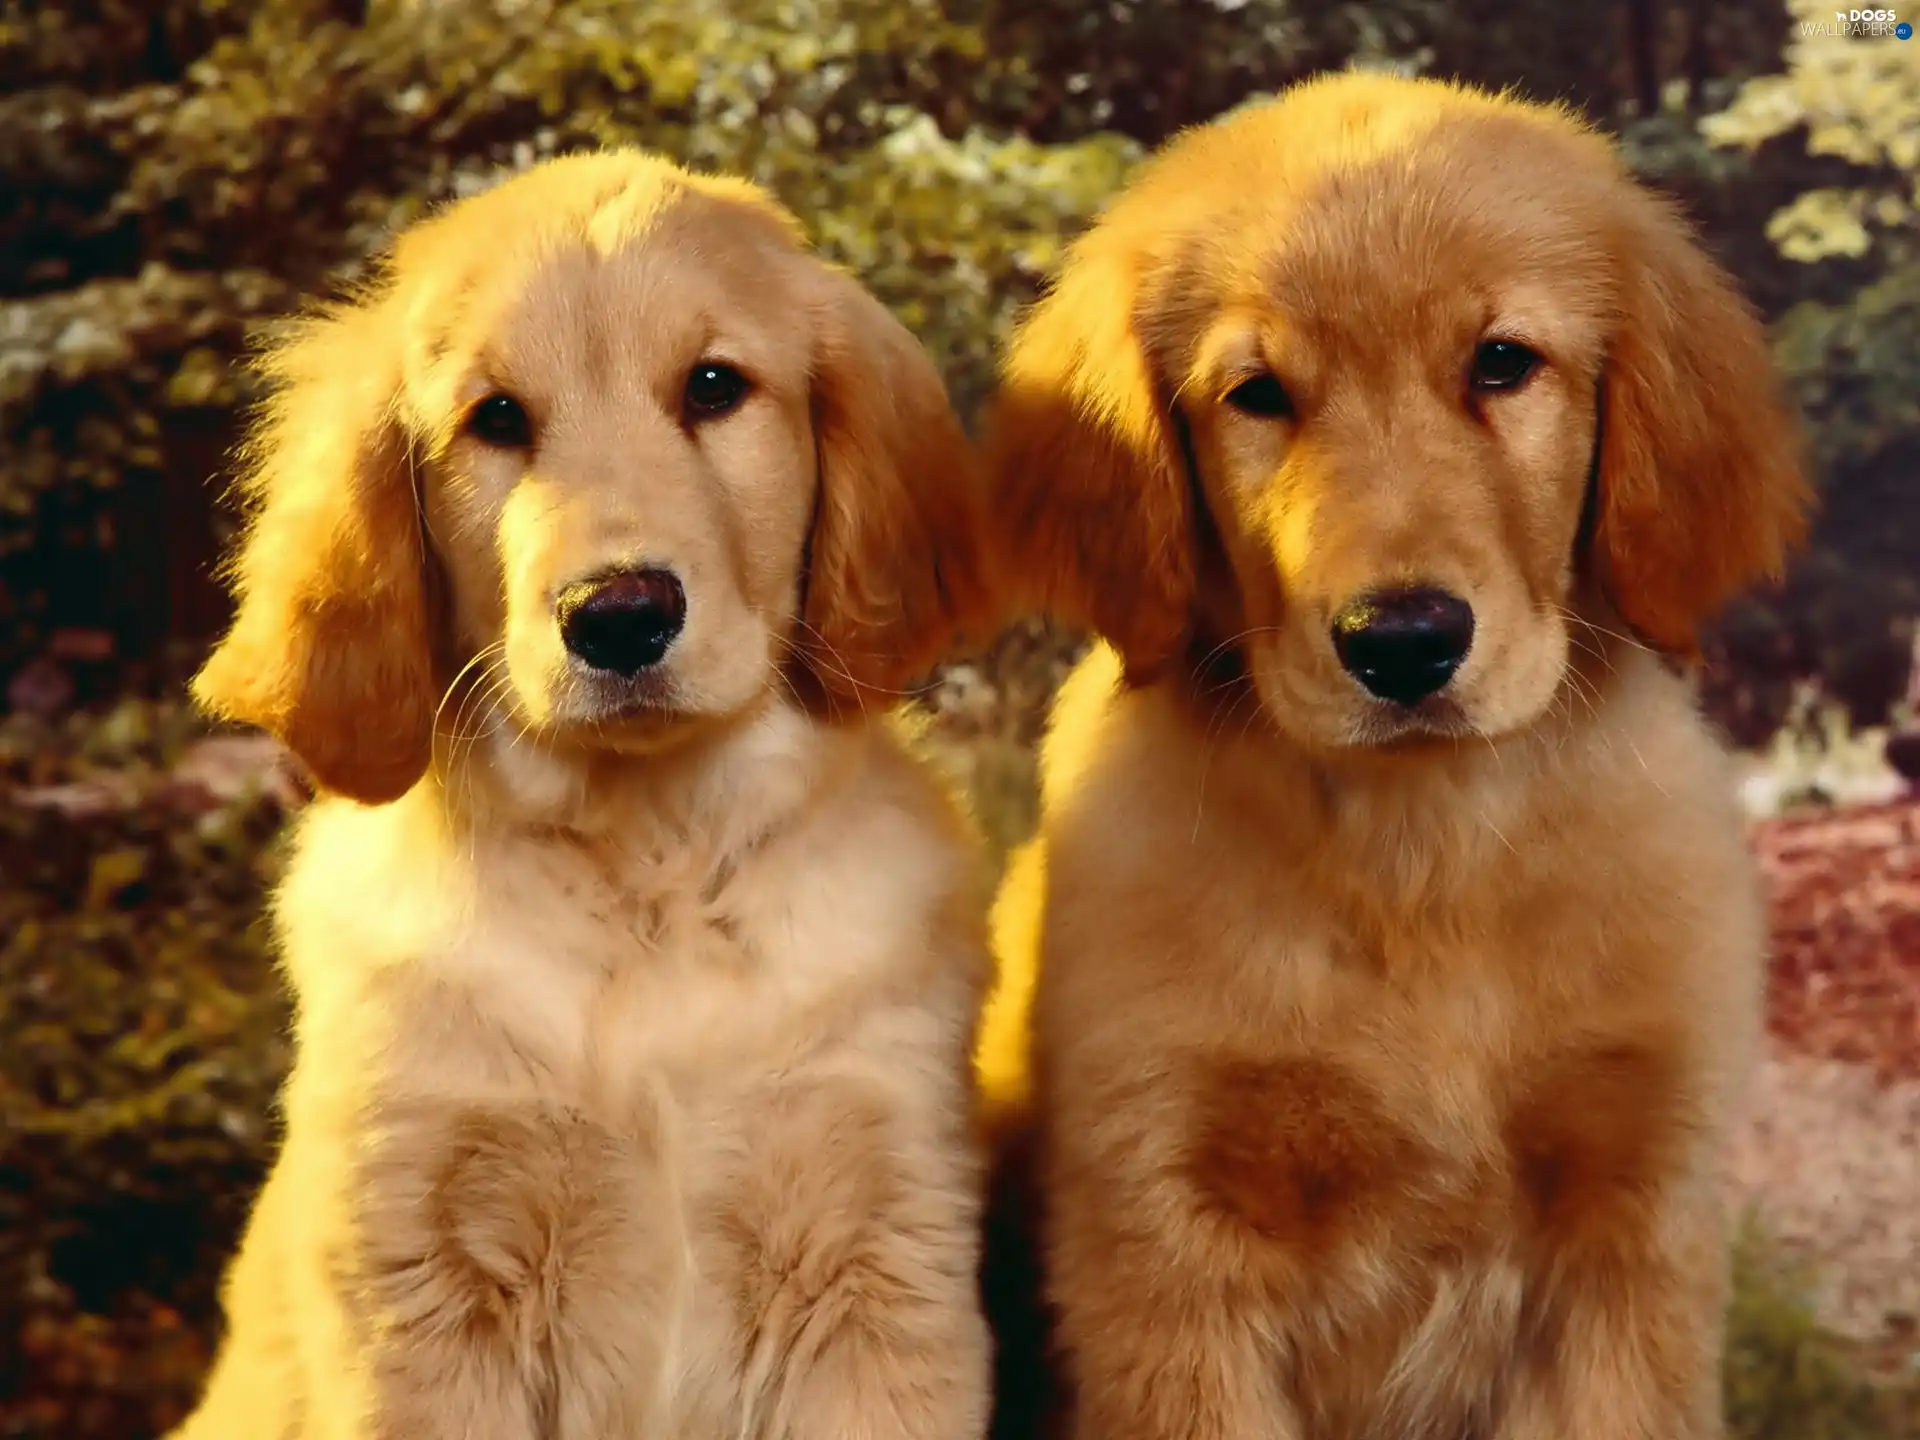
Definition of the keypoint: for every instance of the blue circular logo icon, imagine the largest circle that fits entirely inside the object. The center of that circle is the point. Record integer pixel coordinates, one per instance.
(1903, 30)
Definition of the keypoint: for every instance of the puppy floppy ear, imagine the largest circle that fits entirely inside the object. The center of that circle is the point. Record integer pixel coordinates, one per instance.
(330, 649)
(1702, 491)
(894, 562)
(1091, 496)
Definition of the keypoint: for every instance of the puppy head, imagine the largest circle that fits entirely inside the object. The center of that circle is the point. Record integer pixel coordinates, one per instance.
(1398, 391)
(604, 456)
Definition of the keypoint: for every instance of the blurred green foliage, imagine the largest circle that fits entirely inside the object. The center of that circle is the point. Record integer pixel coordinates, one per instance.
(142, 1040)
(1784, 1378)
(1848, 97)
(182, 172)
(1843, 114)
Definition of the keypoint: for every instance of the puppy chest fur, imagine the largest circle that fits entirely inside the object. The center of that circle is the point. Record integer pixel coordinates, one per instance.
(1455, 1112)
(1319, 1156)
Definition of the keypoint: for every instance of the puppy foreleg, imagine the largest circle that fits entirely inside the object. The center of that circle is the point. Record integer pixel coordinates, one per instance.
(505, 1275)
(884, 1366)
(1631, 1345)
(1160, 1334)
(1160, 1374)
(857, 1232)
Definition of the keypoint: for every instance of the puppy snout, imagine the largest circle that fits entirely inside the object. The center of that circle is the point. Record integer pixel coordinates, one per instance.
(1403, 645)
(623, 623)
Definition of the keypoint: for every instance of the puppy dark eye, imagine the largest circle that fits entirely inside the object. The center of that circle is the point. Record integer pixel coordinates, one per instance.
(713, 390)
(1502, 365)
(500, 421)
(1264, 396)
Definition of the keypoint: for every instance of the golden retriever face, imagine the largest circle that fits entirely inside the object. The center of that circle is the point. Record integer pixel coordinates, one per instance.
(607, 458)
(644, 530)
(1397, 390)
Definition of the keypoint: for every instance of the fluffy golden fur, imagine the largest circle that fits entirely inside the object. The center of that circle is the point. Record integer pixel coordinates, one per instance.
(631, 1095)
(1379, 1054)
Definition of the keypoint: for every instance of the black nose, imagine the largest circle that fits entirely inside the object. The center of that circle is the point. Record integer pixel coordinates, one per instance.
(623, 623)
(1403, 645)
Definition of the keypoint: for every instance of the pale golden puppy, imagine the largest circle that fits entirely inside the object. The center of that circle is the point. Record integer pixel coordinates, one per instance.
(1398, 951)
(636, 968)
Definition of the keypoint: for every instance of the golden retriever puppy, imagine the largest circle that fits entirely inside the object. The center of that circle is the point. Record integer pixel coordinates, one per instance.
(1397, 949)
(636, 970)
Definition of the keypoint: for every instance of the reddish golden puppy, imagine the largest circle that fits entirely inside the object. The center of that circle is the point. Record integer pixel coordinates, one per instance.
(636, 969)
(1397, 949)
